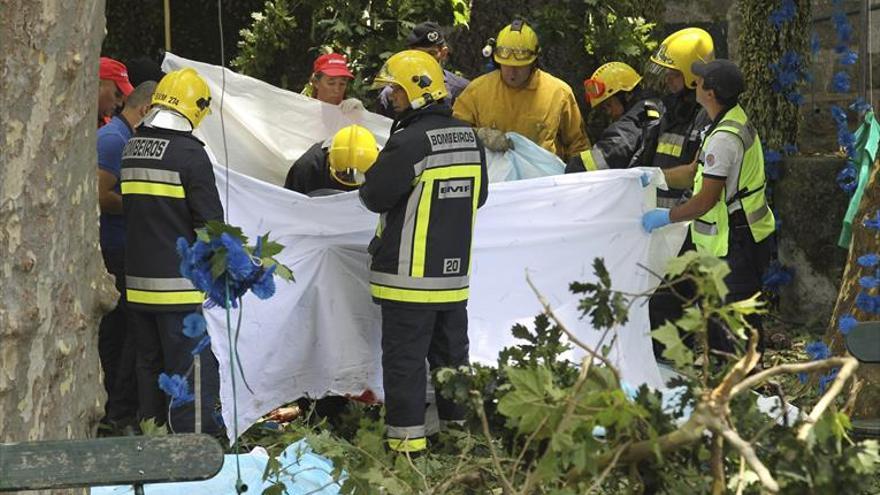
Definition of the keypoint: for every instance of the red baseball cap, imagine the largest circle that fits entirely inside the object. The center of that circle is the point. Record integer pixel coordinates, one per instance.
(114, 70)
(333, 65)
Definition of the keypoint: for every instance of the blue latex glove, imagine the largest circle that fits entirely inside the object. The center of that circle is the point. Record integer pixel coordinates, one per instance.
(654, 219)
(646, 179)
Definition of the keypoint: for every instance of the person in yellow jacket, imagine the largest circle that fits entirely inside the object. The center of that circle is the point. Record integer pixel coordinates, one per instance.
(731, 217)
(522, 98)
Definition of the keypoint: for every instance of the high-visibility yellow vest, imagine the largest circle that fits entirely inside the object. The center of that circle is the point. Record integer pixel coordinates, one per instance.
(710, 232)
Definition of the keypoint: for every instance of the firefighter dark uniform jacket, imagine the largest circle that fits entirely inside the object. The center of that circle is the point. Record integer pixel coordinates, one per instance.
(427, 183)
(678, 139)
(622, 144)
(168, 191)
(311, 172)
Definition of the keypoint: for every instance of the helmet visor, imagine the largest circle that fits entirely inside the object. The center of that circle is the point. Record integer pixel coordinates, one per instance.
(518, 54)
(383, 78)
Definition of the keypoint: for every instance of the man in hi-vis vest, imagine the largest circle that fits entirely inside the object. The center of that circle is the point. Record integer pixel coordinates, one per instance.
(731, 218)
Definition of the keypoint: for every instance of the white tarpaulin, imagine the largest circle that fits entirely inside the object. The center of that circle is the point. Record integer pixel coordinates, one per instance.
(321, 334)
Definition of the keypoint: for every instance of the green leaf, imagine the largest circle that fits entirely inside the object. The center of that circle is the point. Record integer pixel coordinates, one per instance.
(678, 265)
(529, 400)
(601, 272)
(675, 348)
(218, 263)
(717, 272)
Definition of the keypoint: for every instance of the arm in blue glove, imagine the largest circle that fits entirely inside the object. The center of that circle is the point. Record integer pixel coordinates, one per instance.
(654, 219)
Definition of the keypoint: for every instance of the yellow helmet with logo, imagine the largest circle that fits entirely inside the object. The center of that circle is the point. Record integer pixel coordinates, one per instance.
(681, 49)
(352, 152)
(418, 73)
(186, 92)
(609, 79)
(516, 45)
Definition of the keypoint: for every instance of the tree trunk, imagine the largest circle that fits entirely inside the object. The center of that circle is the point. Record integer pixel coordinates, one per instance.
(54, 284)
(864, 241)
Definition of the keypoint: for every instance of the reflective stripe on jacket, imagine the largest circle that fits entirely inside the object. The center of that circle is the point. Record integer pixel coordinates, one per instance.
(168, 191)
(427, 183)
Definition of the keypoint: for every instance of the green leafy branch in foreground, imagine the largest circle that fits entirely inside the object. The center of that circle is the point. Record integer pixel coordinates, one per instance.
(540, 423)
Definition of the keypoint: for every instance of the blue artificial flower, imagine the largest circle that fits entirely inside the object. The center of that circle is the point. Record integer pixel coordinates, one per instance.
(846, 323)
(826, 379)
(264, 288)
(789, 149)
(873, 223)
(840, 82)
(842, 26)
(866, 303)
(814, 43)
(847, 140)
(848, 179)
(839, 115)
(238, 262)
(176, 387)
(860, 105)
(869, 282)
(202, 345)
(194, 325)
(791, 59)
(869, 260)
(849, 57)
(772, 156)
(776, 276)
(796, 98)
(818, 350)
(783, 14)
(771, 171)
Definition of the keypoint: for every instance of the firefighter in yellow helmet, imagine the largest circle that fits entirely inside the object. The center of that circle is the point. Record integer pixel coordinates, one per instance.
(168, 191)
(519, 97)
(678, 141)
(427, 183)
(615, 88)
(334, 165)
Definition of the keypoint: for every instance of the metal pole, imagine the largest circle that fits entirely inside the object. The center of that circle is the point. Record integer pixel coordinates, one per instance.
(167, 25)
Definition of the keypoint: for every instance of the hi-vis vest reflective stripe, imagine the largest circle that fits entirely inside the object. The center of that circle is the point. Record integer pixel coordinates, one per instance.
(161, 291)
(151, 182)
(457, 175)
(593, 159)
(710, 231)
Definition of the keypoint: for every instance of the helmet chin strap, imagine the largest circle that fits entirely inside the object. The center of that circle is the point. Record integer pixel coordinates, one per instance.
(165, 118)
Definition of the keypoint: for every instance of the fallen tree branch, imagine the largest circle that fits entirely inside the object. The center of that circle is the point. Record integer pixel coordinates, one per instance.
(507, 487)
(745, 449)
(759, 378)
(717, 465)
(846, 370)
(605, 472)
(548, 310)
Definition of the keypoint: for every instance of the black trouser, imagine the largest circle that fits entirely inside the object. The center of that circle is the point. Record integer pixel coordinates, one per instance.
(163, 348)
(409, 335)
(116, 348)
(748, 260)
(667, 303)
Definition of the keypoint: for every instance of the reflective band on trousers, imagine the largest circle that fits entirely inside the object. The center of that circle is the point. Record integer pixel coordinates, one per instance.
(705, 228)
(152, 189)
(418, 296)
(164, 298)
(406, 445)
(423, 283)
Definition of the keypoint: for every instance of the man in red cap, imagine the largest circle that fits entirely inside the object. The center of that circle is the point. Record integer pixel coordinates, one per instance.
(329, 81)
(112, 89)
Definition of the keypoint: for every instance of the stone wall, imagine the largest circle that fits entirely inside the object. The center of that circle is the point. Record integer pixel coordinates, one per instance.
(810, 207)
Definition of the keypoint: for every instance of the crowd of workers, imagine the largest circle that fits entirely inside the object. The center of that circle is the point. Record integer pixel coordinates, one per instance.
(157, 185)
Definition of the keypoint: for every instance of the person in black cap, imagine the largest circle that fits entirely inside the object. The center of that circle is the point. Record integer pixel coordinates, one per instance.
(731, 217)
(428, 38)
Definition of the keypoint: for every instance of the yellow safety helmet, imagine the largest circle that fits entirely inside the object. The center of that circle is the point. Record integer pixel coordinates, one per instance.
(516, 45)
(186, 92)
(418, 73)
(609, 79)
(352, 152)
(681, 49)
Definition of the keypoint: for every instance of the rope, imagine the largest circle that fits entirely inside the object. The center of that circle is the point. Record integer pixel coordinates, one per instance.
(240, 487)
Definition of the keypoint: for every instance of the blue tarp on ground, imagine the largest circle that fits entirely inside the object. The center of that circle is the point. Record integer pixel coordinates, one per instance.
(304, 473)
